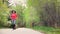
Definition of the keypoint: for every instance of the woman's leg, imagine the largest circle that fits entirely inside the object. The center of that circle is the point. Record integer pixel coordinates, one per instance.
(14, 24)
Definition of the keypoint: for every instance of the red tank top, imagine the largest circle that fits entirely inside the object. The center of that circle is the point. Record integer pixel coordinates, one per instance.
(13, 16)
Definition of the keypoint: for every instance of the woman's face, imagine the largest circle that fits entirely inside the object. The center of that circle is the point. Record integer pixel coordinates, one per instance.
(13, 11)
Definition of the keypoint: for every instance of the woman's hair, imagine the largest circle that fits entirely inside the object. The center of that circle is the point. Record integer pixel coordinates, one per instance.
(13, 11)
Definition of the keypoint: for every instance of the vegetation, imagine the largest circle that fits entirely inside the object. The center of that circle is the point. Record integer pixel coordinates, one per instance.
(47, 30)
(42, 15)
(3, 12)
(47, 11)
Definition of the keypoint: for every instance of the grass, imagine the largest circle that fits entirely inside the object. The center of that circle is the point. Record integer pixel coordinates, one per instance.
(3, 26)
(47, 30)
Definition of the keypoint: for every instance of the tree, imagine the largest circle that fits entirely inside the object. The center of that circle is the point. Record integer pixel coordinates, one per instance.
(47, 11)
(3, 13)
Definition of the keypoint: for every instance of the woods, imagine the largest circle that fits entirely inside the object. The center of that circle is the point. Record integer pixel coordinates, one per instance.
(3, 12)
(37, 13)
(47, 11)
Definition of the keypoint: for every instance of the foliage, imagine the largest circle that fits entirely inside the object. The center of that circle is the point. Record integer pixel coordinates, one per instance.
(30, 16)
(38, 12)
(47, 30)
(47, 11)
(3, 12)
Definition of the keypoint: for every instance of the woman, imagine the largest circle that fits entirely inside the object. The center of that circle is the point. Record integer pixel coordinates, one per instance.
(13, 17)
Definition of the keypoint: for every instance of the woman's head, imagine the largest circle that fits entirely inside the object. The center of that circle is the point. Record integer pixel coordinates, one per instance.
(13, 11)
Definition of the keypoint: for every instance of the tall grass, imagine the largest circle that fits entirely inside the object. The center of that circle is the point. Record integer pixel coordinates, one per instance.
(47, 30)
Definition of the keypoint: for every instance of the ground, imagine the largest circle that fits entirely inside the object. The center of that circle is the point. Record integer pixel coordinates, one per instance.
(19, 31)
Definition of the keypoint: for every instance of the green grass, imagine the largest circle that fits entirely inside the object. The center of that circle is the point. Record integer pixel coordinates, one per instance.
(3, 26)
(47, 30)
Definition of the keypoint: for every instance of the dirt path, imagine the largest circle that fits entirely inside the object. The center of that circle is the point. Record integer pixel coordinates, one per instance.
(19, 31)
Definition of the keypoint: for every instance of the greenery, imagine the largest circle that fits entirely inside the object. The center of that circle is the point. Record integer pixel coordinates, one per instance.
(3, 13)
(47, 30)
(41, 15)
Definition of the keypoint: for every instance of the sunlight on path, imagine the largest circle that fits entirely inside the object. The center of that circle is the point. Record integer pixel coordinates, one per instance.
(19, 31)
